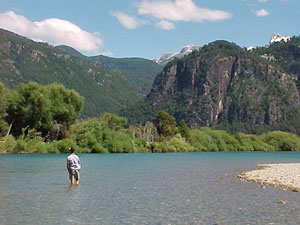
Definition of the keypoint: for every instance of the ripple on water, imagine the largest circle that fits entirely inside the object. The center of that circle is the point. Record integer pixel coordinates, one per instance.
(195, 188)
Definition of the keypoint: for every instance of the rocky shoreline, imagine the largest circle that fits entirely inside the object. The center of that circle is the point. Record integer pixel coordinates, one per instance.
(283, 175)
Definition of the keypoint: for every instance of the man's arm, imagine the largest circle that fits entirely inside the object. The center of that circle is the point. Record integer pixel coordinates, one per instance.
(68, 164)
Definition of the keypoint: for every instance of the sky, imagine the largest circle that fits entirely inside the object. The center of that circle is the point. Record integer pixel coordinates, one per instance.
(149, 28)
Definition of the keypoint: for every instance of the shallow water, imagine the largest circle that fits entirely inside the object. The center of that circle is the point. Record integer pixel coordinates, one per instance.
(186, 188)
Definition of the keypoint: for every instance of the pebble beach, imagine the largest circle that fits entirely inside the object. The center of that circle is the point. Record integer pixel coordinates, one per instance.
(283, 175)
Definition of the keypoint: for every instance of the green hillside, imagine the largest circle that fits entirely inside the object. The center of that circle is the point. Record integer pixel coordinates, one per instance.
(285, 54)
(105, 90)
(70, 50)
(141, 72)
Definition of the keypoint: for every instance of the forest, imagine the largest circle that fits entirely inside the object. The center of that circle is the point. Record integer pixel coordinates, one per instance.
(38, 118)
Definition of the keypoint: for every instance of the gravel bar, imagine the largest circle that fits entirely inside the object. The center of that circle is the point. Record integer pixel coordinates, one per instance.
(283, 175)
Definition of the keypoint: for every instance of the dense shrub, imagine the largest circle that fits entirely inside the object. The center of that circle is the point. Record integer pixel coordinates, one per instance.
(250, 142)
(8, 144)
(140, 145)
(223, 140)
(30, 145)
(63, 146)
(202, 141)
(95, 135)
(206, 139)
(178, 144)
(118, 142)
(282, 141)
(157, 147)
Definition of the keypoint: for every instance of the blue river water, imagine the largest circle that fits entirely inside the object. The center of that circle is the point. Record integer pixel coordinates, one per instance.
(185, 188)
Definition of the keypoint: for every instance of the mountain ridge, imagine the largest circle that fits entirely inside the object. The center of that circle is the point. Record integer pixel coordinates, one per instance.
(220, 85)
(105, 90)
(225, 86)
(188, 49)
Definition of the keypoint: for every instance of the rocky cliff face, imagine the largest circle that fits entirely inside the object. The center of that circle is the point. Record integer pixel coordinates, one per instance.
(223, 84)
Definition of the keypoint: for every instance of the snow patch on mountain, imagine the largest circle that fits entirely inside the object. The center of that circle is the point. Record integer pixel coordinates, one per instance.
(279, 38)
(163, 60)
(170, 56)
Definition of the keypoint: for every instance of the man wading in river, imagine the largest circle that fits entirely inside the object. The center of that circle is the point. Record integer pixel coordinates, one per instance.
(73, 166)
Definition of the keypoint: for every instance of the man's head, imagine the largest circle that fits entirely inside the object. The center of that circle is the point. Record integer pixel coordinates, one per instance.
(72, 150)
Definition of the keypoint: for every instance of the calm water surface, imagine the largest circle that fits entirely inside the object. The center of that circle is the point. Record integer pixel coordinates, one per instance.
(193, 188)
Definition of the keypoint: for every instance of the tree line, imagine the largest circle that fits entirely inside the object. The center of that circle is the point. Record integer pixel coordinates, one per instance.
(44, 119)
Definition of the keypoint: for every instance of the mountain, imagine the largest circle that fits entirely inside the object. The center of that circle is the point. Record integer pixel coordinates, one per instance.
(105, 90)
(70, 50)
(141, 72)
(163, 60)
(220, 85)
(274, 39)
(225, 86)
(285, 54)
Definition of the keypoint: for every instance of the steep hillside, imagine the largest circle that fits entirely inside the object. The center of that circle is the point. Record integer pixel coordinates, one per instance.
(104, 90)
(141, 72)
(285, 54)
(70, 50)
(224, 86)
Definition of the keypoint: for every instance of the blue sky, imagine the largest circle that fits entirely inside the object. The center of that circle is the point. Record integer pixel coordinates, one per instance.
(149, 28)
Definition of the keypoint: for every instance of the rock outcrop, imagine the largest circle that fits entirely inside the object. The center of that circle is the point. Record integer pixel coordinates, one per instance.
(224, 84)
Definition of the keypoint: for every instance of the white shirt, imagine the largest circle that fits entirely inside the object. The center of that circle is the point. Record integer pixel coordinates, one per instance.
(73, 162)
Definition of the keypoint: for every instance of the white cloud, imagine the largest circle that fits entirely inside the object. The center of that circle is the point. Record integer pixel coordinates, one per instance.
(165, 25)
(52, 30)
(261, 12)
(262, 1)
(126, 20)
(180, 10)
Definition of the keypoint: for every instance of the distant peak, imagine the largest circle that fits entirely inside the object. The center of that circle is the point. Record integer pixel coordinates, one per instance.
(170, 56)
(189, 48)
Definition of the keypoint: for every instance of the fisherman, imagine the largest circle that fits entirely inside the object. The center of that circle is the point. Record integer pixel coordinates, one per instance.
(73, 166)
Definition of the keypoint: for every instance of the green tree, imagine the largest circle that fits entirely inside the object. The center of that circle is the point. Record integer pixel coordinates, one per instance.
(66, 105)
(113, 121)
(3, 105)
(166, 124)
(40, 107)
(184, 130)
(28, 106)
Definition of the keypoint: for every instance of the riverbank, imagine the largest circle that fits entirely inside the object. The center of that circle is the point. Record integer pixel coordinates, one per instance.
(283, 175)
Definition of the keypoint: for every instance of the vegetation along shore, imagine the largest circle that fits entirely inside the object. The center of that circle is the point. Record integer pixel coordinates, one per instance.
(44, 119)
